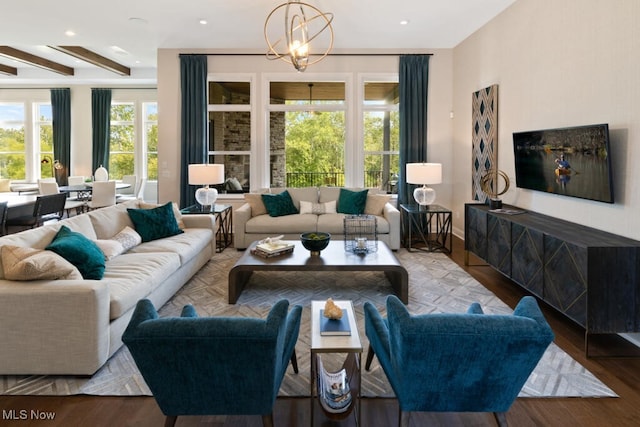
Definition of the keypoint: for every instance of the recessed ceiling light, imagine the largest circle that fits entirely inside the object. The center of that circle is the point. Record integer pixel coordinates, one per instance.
(404, 22)
(119, 50)
(203, 22)
(70, 33)
(141, 21)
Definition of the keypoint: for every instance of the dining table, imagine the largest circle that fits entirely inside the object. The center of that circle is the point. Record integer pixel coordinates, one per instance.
(84, 190)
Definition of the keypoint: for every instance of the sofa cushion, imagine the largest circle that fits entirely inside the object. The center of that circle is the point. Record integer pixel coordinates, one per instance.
(156, 223)
(174, 205)
(107, 222)
(133, 276)
(317, 208)
(36, 264)
(375, 203)
(256, 203)
(334, 224)
(186, 245)
(308, 194)
(265, 224)
(279, 204)
(79, 251)
(352, 202)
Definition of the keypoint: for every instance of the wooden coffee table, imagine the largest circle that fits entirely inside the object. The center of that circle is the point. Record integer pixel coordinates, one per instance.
(333, 258)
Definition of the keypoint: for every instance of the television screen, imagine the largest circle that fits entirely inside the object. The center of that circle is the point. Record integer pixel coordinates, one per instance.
(572, 161)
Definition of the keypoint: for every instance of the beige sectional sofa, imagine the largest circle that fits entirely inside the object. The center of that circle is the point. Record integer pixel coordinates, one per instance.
(73, 326)
(252, 222)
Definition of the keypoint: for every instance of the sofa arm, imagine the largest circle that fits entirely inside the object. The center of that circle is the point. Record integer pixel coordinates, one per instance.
(392, 215)
(200, 221)
(240, 218)
(53, 327)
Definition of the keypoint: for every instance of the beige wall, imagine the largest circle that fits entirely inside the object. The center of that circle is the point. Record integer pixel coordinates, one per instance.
(258, 67)
(557, 63)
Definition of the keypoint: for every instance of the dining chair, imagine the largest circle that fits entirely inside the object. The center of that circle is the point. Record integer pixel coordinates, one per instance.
(132, 180)
(138, 194)
(75, 180)
(103, 194)
(42, 181)
(48, 207)
(47, 188)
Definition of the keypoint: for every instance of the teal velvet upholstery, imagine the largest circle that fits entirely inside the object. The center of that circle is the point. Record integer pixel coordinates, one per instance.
(466, 362)
(79, 251)
(213, 365)
(279, 204)
(352, 202)
(156, 223)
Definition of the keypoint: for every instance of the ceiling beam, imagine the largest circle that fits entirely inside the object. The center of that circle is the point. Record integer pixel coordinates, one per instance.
(94, 58)
(9, 71)
(36, 61)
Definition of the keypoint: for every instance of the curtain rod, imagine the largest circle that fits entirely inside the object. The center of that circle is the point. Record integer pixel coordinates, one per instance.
(331, 54)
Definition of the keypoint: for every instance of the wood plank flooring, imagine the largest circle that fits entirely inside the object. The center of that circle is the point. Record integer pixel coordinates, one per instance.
(621, 374)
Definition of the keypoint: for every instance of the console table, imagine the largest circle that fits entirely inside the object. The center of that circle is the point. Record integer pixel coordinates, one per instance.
(591, 276)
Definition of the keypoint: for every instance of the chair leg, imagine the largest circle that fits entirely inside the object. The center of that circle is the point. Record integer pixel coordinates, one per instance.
(170, 421)
(501, 418)
(267, 420)
(370, 355)
(404, 418)
(294, 361)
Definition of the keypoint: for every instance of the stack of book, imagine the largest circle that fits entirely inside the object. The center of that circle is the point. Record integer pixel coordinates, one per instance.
(273, 249)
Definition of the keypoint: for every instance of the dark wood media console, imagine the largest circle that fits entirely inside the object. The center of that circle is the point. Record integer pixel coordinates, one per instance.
(591, 276)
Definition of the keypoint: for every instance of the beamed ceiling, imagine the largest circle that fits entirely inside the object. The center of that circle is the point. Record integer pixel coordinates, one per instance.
(79, 41)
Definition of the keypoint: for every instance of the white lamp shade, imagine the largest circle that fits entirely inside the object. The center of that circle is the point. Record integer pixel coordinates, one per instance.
(424, 173)
(205, 174)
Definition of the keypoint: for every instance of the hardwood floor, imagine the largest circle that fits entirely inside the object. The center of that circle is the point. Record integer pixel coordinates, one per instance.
(621, 374)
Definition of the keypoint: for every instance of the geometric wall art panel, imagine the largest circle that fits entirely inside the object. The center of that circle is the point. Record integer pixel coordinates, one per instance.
(484, 137)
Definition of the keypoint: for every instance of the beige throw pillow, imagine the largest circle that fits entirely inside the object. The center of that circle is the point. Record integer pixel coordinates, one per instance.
(128, 238)
(375, 203)
(5, 185)
(22, 263)
(317, 208)
(110, 248)
(256, 203)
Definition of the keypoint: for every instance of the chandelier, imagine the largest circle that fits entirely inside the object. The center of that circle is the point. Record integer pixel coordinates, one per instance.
(303, 23)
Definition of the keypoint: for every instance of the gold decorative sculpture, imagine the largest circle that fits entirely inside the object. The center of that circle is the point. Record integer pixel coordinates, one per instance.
(489, 185)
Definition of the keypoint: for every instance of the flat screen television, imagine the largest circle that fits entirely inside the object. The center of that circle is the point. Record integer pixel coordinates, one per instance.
(572, 161)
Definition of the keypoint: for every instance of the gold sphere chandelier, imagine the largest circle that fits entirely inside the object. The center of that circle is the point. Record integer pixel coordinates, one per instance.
(303, 23)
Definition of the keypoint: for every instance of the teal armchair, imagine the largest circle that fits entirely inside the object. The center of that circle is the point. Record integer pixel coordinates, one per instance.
(467, 362)
(213, 365)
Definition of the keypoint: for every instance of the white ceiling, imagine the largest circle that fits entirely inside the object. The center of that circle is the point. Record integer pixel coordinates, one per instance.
(140, 27)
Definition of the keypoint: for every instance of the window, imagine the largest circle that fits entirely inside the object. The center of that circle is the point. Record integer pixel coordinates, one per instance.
(381, 136)
(44, 130)
(150, 142)
(12, 141)
(307, 133)
(231, 131)
(133, 146)
(123, 142)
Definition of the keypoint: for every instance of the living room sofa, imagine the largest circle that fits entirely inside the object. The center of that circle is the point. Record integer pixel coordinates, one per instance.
(72, 326)
(253, 222)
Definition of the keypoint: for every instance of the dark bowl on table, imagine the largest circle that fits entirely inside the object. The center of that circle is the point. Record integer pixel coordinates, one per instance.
(315, 241)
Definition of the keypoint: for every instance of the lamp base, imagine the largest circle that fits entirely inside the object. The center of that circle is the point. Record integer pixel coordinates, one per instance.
(206, 196)
(424, 195)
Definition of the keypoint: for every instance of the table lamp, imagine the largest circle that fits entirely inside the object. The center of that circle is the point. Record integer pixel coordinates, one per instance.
(205, 174)
(424, 173)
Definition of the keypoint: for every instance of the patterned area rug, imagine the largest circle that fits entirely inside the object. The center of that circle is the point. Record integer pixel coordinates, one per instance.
(436, 284)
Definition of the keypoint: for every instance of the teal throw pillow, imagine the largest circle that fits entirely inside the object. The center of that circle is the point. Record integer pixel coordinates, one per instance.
(79, 251)
(279, 204)
(156, 223)
(352, 202)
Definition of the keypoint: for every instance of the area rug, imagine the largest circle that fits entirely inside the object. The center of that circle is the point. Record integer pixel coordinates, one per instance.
(436, 284)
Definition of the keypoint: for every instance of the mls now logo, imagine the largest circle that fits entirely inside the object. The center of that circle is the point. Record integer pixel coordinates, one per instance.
(24, 414)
